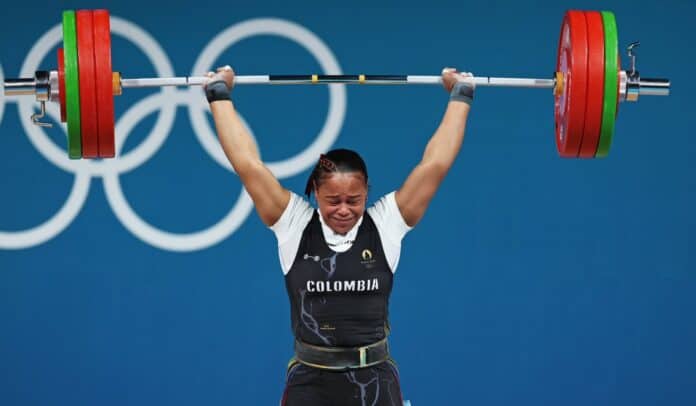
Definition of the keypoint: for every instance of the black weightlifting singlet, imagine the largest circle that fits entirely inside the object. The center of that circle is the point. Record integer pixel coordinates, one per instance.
(339, 299)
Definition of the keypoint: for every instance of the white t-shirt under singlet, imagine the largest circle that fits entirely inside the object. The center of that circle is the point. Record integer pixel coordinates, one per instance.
(385, 213)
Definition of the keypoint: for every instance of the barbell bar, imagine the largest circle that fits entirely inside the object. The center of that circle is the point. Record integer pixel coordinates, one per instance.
(587, 84)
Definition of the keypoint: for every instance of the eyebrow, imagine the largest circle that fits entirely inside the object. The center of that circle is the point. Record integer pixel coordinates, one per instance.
(338, 196)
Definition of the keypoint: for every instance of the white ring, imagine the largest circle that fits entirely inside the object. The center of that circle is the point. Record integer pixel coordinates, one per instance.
(26, 105)
(161, 100)
(139, 227)
(171, 241)
(165, 121)
(327, 61)
(166, 102)
(210, 144)
(55, 225)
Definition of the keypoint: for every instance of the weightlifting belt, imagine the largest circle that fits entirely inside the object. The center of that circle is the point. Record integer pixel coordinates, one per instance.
(341, 358)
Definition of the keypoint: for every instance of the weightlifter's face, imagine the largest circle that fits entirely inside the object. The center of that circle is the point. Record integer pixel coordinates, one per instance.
(341, 198)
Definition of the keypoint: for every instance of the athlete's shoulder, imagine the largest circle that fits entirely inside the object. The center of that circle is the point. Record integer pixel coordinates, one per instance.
(387, 217)
(294, 218)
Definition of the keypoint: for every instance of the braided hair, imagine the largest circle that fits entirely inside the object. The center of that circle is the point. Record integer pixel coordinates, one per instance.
(335, 161)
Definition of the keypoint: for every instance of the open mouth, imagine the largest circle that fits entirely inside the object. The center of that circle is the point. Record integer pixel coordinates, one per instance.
(342, 225)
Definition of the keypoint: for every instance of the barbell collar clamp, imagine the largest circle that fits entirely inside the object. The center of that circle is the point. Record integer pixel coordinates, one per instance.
(54, 90)
(36, 117)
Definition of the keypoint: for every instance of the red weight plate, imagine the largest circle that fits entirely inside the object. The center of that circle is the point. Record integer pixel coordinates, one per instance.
(105, 92)
(88, 94)
(61, 84)
(569, 104)
(595, 85)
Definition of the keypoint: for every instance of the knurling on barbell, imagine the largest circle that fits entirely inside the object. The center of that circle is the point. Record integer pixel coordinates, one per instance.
(587, 84)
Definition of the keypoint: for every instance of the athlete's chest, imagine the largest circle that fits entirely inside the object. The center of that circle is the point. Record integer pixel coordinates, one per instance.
(362, 268)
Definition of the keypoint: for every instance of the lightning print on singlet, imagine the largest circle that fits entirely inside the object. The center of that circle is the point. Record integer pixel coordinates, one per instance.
(328, 265)
(309, 321)
(350, 375)
(391, 382)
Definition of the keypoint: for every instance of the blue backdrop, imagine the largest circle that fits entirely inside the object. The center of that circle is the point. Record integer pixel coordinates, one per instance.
(532, 280)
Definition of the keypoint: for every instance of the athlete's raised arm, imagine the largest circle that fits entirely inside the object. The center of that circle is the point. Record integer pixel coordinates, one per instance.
(270, 198)
(419, 188)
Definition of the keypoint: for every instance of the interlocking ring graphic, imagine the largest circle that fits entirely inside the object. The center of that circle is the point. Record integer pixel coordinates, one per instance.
(166, 102)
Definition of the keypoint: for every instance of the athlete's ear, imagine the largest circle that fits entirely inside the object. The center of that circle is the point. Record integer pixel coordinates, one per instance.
(315, 185)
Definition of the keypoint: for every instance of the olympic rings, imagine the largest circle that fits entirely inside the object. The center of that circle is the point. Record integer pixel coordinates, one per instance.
(166, 102)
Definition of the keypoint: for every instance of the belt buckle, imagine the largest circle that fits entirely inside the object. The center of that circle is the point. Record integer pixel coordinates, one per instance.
(363, 356)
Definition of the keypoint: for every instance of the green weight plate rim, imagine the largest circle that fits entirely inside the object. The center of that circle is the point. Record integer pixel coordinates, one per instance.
(611, 83)
(72, 85)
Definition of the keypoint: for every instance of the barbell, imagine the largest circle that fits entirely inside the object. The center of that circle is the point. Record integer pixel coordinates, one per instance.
(587, 84)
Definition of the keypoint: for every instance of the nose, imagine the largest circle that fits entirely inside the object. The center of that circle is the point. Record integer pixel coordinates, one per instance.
(343, 211)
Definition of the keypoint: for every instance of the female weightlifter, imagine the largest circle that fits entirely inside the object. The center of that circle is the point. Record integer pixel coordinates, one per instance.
(339, 259)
